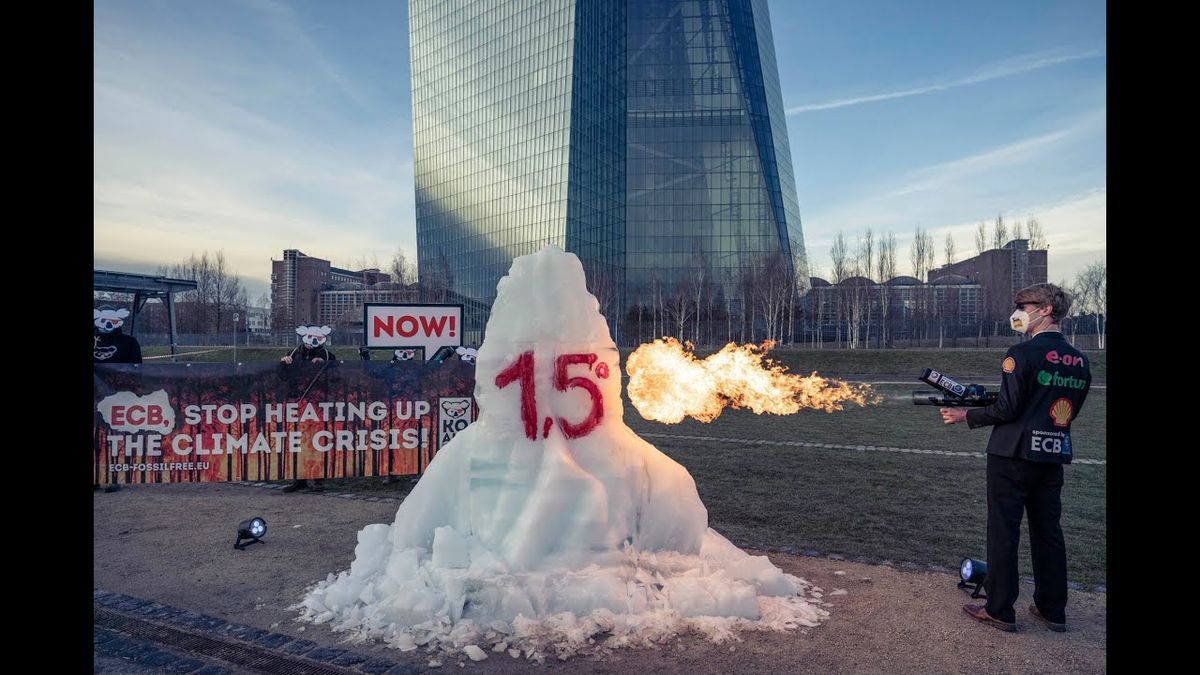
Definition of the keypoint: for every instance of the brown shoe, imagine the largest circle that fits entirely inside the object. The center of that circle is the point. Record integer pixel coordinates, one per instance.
(979, 613)
(1037, 614)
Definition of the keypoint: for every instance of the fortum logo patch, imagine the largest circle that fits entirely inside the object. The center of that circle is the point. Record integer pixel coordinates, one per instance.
(127, 412)
(454, 415)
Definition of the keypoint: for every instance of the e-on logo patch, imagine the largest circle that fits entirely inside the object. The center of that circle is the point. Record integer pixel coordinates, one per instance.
(1065, 359)
(1009, 365)
(454, 415)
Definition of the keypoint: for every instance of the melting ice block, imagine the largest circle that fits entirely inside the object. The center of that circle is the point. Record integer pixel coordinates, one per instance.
(548, 521)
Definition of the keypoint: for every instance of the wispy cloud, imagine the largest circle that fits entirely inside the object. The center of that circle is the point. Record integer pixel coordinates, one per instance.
(932, 193)
(282, 20)
(1009, 67)
(190, 154)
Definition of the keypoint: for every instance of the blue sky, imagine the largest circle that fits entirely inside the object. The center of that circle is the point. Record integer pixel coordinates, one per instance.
(258, 125)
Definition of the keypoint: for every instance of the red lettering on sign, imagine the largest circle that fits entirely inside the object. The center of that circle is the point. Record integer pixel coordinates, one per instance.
(136, 414)
(433, 326)
(155, 416)
(379, 326)
(118, 415)
(406, 326)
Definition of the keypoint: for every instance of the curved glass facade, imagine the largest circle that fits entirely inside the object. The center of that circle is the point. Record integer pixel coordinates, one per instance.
(646, 136)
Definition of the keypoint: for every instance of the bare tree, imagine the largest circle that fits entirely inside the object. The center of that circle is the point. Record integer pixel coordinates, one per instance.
(817, 301)
(840, 272)
(885, 271)
(1037, 239)
(866, 259)
(657, 321)
(680, 308)
(727, 292)
(1077, 308)
(1017, 233)
(436, 283)
(365, 262)
(795, 290)
(857, 296)
(228, 295)
(699, 282)
(771, 292)
(602, 284)
(1000, 233)
(1091, 295)
(219, 293)
(981, 238)
(949, 249)
(749, 313)
(920, 253)
(403, 272)
(930, 254)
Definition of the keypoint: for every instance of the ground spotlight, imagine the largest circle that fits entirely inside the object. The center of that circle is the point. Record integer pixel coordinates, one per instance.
(972, 571)
(253, 530)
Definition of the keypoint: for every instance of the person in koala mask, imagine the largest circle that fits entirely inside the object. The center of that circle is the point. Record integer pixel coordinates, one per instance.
(311, 348)
(109, 344)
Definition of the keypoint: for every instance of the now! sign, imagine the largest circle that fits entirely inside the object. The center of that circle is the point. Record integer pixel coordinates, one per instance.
(413, 326)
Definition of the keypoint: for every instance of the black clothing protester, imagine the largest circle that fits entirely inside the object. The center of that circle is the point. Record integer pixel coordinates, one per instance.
(300, 354)
(1044, 384)
(303, 353)
(115, 347)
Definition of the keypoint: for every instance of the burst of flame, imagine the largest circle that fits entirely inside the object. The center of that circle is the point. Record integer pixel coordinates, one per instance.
(667, 383)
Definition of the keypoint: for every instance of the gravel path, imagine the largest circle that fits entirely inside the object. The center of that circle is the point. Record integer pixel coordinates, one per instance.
(174, 544)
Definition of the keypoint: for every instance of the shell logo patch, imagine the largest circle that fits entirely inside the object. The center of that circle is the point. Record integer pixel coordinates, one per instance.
(1061, 412)
(1009, 365)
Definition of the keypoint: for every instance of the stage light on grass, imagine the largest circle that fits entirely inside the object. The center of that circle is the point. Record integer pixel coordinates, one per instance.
(252, 530)
(972, 571)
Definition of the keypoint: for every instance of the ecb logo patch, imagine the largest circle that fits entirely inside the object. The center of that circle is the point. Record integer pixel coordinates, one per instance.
(454, 415)
(1009, 365)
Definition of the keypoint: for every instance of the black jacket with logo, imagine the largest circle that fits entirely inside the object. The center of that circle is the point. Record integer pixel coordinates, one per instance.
(1044, 382)
(303, 353)
(115, 347)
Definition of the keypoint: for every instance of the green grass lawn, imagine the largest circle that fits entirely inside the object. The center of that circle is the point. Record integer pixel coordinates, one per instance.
(958, 363)
(225, 354)
(928, 509)
(907, 363)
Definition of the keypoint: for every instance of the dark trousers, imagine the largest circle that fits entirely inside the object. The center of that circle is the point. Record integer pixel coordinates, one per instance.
(1014, 486)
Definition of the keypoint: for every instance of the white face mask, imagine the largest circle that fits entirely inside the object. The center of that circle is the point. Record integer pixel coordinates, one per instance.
(1020, 321)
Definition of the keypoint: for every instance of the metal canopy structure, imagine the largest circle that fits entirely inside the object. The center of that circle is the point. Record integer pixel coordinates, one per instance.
(144, 287)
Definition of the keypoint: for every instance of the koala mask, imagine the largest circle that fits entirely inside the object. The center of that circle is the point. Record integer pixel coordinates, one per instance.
(313, 336)
(108, 320)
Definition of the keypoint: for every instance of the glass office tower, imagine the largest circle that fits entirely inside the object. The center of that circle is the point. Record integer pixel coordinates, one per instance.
(645, 136)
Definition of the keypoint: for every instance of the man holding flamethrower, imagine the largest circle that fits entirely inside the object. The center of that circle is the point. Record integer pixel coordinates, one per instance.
(1044, 381)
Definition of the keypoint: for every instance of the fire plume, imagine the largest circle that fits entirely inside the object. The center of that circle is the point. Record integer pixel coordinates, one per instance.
(667, 383)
